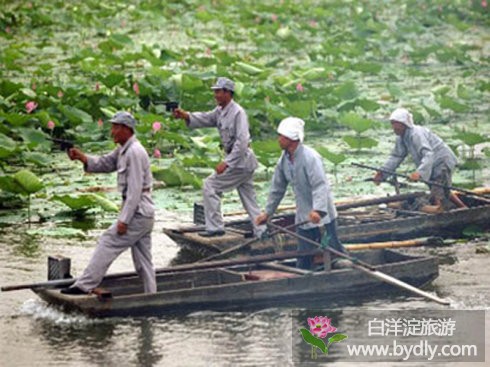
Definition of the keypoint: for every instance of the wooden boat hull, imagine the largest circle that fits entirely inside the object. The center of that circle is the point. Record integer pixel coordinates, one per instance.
(229, 289)
(376, 229)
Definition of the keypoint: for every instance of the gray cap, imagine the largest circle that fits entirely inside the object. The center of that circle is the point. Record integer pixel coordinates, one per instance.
(124, 118)
(224, 83)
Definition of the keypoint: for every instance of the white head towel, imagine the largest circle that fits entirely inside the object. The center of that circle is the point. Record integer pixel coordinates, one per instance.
(292, 128)
(402, 115)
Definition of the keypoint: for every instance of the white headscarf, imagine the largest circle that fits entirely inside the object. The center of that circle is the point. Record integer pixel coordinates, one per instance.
(402, 115)
(292, 128)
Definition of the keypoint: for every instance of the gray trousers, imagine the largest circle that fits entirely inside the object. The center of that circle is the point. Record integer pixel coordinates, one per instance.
(111, 245)
(215, 185)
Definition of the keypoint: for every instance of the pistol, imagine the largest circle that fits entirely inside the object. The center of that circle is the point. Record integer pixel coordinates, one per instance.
(63, 144)
(169, 106)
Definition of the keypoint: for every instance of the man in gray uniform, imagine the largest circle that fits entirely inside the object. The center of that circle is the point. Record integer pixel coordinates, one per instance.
(433, 158)
(236, 171)
(135, 223)
(302, 167)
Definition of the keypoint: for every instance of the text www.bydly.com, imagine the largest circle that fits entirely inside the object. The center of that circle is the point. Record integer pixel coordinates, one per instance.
(407, 351)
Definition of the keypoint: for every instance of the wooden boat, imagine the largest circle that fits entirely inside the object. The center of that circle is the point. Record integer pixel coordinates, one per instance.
(248, 284)
(359, 221)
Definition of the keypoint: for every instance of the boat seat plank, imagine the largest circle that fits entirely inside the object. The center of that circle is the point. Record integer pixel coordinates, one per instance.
(255, 275)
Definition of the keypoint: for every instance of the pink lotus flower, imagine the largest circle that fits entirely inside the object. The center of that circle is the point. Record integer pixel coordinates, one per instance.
(50, 125)
(484, 3)
(31, 106)
(208, 52)
(156, 153)
(60, 94)
(156, 126)
(299, 87)
(100, 123)
(97, 86)
(136, 88)
(274, 17)
(313, 23)
(320, 326)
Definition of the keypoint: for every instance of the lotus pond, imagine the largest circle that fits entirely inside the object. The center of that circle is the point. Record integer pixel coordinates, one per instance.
(342, 66)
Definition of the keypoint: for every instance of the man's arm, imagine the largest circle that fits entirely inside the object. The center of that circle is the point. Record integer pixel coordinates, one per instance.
(105, 163)
(396, 157)
(197, 119)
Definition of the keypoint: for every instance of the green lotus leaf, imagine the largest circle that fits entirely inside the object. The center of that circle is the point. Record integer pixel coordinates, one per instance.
(86, 201)
(452, 104)
(360, 142)
(247, 68)
(75, 115)
(7, 146)
(313, 340)
(28, 181)
(356, 122)
(332, 157)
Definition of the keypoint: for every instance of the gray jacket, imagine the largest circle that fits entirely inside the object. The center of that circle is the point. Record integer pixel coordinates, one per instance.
(309, 183)
(134, 179)
(428, 151)
(232, 124)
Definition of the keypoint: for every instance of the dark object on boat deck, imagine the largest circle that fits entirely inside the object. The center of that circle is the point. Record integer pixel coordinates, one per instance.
(198, 214)
(59, 267)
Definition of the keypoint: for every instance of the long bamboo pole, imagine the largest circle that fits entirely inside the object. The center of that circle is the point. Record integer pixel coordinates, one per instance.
(368, 269)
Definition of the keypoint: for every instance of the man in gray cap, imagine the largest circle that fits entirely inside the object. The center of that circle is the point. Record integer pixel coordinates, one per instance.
(135, 222)
(236, 170)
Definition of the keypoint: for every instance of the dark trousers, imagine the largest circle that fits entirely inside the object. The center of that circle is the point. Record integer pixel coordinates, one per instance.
(315, 234)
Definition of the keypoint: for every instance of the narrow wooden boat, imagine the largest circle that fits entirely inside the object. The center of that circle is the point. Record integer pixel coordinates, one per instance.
(248, 284)
(359, 221)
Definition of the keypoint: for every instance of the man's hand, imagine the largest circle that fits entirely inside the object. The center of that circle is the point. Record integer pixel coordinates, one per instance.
(122, 228)
(220, 168)
(181, 114)
(261, 218)
(77, 154)
(314, 217)
(378, 177)
(414, 176)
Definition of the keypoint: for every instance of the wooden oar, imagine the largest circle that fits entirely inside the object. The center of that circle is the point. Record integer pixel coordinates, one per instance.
(174, 269)
(428, 182)
(368, 269)
(347, 204)
(431, 241)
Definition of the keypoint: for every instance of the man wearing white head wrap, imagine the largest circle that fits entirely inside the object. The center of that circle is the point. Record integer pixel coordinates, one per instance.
(302, 167)
(433, 158)
(292, 128)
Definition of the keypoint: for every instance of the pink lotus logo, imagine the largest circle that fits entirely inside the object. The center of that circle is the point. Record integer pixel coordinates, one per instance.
(320, 327)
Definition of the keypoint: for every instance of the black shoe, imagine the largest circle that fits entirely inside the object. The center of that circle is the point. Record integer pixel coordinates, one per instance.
(212, 233)
(74, 291)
